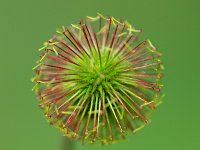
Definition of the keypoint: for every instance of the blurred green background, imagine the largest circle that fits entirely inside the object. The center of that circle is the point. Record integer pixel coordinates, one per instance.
(173, 27)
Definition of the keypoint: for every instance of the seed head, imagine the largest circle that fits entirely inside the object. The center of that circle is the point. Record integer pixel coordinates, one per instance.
(96, 80)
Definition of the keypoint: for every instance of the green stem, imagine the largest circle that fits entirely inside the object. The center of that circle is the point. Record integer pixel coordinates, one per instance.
(67, 144)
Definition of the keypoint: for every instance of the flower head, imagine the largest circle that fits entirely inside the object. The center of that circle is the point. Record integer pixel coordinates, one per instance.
(96, 79)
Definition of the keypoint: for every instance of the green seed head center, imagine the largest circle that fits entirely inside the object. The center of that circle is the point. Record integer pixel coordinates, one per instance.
(98, 71)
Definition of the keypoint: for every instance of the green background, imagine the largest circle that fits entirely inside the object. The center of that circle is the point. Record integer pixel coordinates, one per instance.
(173, 27)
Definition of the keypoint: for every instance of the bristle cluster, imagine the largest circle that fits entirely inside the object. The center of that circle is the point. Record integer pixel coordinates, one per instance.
(96, 80)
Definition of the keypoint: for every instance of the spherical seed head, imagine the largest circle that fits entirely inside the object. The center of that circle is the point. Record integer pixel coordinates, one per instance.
(96, 80)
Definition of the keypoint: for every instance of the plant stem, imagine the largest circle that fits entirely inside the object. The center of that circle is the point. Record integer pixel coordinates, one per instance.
(67, 144)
